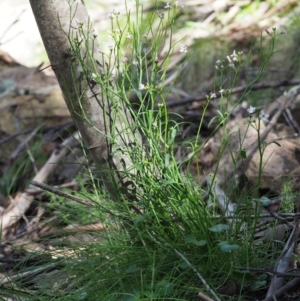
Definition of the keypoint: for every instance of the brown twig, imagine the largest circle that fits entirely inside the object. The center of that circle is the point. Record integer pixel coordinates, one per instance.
(61, 193)
(75, 199)
(269, 271)
(187, 100)
(23, 144)
(73, 184)
(282, 263)
(282, 219)
(203, 297)
(293, 283)
(13, 214)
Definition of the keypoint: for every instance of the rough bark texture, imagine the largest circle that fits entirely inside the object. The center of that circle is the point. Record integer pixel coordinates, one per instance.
(59, 22)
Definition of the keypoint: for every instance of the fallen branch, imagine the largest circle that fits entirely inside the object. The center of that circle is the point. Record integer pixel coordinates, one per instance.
(187, 100)
(14, 212)
(282, 263)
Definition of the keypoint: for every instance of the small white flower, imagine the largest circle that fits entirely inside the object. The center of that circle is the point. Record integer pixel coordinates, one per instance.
(222, 91)
(263, 116)
(231, 64)
(124, 59)
(233, 54)
(251, 110)
(142, 87)
(160, 15)
(135, 62)
(168, 5)
(183, 48)
(129, 36)
(213, 95)
(176, 3)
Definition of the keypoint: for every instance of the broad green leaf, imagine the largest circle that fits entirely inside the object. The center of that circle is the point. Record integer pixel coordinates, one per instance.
(167, 160)
(132, 269)
(219, 228)
(184, 265)
(243, 153)
(227, 248)
(263, 200)
(131, 298)
(163, 288)
(258, 284)
(194, 241)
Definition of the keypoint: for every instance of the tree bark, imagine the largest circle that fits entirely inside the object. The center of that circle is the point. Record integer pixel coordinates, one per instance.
(104, 121)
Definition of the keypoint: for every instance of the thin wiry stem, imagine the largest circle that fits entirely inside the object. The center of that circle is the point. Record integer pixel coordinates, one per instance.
(198, 275)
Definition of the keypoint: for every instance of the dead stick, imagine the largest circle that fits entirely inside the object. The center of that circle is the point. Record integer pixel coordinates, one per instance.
(187, 100)
(61, 193)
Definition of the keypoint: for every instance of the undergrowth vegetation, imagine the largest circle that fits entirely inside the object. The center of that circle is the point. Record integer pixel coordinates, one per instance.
(168, 239)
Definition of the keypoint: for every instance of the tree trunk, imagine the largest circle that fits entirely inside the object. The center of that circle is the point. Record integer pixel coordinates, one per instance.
(104, 121)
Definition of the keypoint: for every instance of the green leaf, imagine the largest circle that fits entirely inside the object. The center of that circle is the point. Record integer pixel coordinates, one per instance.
(219, 228)
(243, 153)
(211, 121)
(173, 135)
(163, 288)
(132, 269)
(263, 200)
(141, 219)
(262, 277)
(168, 182)
(256, 285)
(167, 160)
(194, 241)
(227, 248)
(142, 203)
(220, 113)
(275, 142)
(184, 265)
(131, 297)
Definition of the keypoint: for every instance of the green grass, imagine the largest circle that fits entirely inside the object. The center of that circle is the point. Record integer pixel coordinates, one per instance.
(166, 230)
